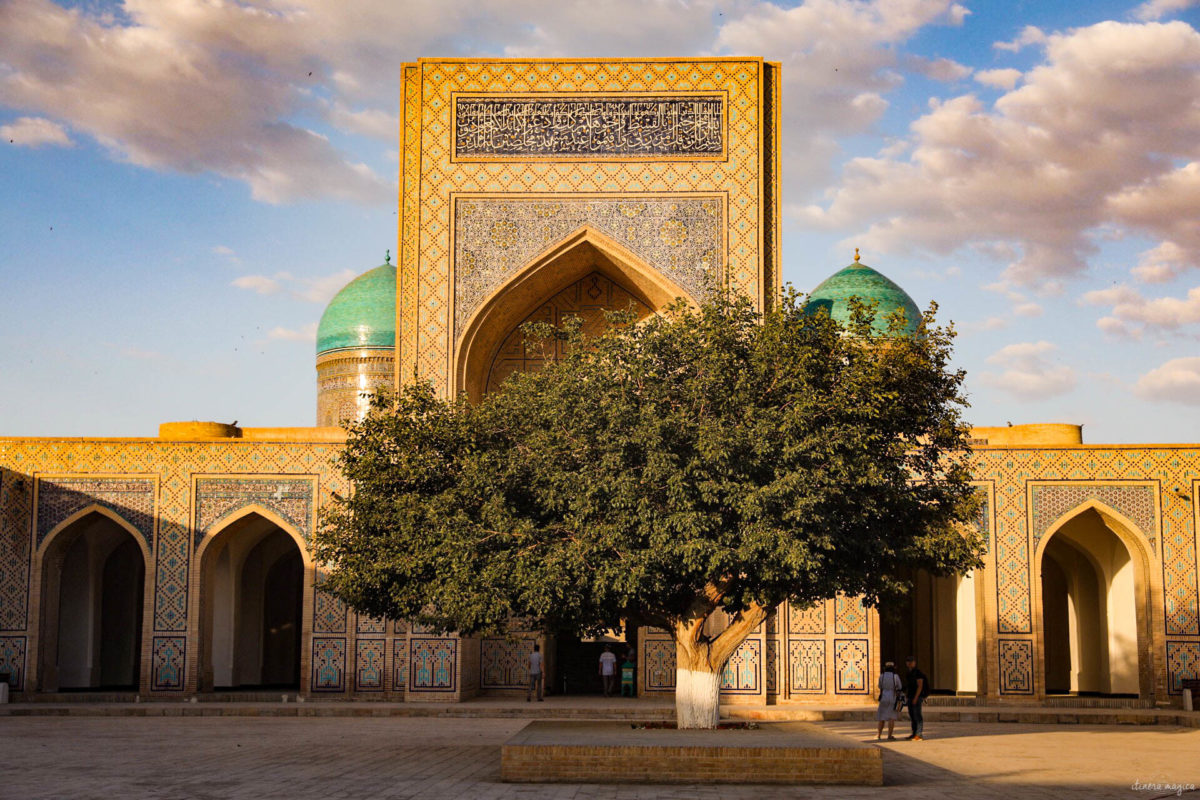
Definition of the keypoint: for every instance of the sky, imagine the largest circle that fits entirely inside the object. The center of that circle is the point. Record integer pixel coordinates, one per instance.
(186, 183)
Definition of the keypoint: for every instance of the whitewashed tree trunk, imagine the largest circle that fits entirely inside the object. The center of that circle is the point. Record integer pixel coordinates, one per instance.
(697, 698)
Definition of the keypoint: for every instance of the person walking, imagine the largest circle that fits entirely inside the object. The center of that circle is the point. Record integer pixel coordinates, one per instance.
(608, 670)
(890, 699)
(536, 682)
(917, 686)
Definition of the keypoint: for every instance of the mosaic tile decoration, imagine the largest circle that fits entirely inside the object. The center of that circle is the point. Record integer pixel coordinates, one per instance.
(660, 665)
(329, 613)
(850, 615)
(12, 661)
(1183, 662)
(369, 664)
(1016, 666)
(132, 499)
(399, 626)
(168, 660)
(772, 666)
(399, 665)
(541, 126)
(16, 498)
(741, 673)
(806, 665)
(370, 624)
(983, 520)
(494, 239)
(328, 664)
(1050, 502)
(806, 620)
(431, 664)
(289, 497)
(504, 662)
(430, 178)
(851, 665)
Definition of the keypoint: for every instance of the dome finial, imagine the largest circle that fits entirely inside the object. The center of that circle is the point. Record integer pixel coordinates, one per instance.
(856, 255)
(387, 258)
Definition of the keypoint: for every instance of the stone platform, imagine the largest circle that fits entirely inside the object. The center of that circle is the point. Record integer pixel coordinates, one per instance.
(614, 752)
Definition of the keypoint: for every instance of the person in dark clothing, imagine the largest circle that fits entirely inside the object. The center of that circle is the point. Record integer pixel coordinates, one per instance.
(917, 688)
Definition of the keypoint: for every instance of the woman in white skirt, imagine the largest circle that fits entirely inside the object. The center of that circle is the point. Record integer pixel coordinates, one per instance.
(890, 686)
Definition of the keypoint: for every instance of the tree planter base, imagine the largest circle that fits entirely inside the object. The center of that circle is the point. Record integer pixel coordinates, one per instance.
(614, 752)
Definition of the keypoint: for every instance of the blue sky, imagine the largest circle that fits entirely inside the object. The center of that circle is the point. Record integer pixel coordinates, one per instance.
(186, 183)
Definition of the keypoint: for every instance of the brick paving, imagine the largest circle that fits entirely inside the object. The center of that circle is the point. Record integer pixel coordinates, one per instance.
(347, 757)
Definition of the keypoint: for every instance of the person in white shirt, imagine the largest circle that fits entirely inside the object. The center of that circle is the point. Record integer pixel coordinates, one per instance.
(608, 670)
(535, 674)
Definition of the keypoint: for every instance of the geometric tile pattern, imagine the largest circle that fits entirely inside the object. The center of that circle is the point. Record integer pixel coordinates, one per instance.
(369, 668)
(328, 664)
(504, 662)
(1183, 661)
(431, 664)
(742, 670)
(399, 665)
(16, 496)
(660, 664)
(12, 660)
(329, 613)
(132, 499)
(495, 238)
(371, 624)
(772, 666)
(806, 665)
(851, 665)
(168, 663)
(806, 620)
(290, 498)
(850, 615)
(1050, 502)
(1016, 666)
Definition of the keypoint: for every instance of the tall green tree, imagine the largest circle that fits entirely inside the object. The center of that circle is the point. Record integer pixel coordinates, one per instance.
(702, 462)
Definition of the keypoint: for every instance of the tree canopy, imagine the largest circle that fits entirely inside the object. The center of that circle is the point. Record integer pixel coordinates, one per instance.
(700, 460)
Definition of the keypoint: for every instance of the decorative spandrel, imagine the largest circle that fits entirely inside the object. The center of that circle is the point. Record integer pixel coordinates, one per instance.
(589, 127)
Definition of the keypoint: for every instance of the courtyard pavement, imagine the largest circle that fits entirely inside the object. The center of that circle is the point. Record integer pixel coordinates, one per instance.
(347, 757)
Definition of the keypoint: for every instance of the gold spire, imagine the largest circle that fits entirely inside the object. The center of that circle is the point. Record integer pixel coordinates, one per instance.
(856, 255)
(387, 259)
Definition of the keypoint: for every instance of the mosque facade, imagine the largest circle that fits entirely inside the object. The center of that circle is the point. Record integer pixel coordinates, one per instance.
(177, 566)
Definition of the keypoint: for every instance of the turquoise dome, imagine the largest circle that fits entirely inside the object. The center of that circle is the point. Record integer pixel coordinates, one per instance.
(868, 285)
(362, 314)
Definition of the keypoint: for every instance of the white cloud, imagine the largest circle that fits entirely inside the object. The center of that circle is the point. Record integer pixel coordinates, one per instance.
(35, 132)
(223, 250)
(1028, 310)
(1089, 139)
(1030, 34)
(999, 78)
(1163, 263)
(320, 289)
(1157, 9)
(1027, 375)
(307, 333)
(258, 283)
(1177, 381)
(938, 69)
(1133, 314)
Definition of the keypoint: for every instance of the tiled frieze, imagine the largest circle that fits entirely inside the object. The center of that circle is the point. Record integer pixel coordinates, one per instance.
(370, 664)
(851, 666)
(399, 626)
(806, 620)
(850, 616)
(806, 665)
(1016, 666)
(16, 498)
(1050, 501)
(12, 661)
(167, 663)
(328, 664)
(431, 664)
(1183, 662)
(504, 662)
(130, 498)
(329, 613)
(366, 624)
(660, 665)
(494, 238)
(217, 498)
(742, 670)
(399, 664)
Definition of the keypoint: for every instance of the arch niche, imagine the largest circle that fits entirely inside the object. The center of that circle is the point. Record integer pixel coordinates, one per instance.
(254, 573)
(92, 571)
(936, 622)
(584, 275)
(1095, 580)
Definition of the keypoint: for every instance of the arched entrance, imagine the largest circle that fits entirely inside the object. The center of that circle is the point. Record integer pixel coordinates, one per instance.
(93, 591)
(584, 264)
(936, 622)
(252, 595)
(1089, 592)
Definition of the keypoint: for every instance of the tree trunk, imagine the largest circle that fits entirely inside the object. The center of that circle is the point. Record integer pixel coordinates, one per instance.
(697, 698)
(700, 660)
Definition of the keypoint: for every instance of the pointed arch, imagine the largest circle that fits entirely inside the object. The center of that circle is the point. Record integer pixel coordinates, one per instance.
(1125, 529)
(104, 511)
(585, 251)
(223, 524)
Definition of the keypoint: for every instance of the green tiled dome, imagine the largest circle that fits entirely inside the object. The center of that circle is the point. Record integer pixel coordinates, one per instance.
(362, 314)
(868, 285)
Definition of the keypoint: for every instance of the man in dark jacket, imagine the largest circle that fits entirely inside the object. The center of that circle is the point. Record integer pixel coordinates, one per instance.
(917, 688)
